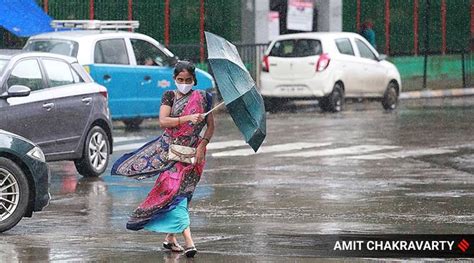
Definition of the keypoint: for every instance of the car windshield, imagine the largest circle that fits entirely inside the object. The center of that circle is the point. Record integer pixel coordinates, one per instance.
(61, 47)
(3, 63)
(296, 48)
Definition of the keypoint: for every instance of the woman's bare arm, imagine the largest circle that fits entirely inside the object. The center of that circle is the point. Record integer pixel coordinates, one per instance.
(165, 120)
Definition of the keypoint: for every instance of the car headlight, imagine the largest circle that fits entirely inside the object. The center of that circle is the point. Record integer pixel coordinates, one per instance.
(37, 153)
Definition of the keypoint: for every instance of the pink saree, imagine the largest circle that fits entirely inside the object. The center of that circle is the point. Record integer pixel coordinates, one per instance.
(176, 180)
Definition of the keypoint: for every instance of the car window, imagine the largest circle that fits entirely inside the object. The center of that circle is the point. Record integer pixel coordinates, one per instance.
(61, 47)
(79, 70)
(344, 46)
(75, 76)
(26, 73)
(148, 54)
(296, 48)
(111, 51)
(364, 50)
(59, 73)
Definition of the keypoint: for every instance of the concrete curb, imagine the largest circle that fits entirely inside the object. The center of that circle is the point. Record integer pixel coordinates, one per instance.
(437, 93)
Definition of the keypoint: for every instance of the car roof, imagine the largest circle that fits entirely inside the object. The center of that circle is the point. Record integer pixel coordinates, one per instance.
(84, 34)
(317, 35)
(19, 54)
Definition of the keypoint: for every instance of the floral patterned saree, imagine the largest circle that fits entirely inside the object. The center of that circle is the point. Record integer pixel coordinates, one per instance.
(176, 180)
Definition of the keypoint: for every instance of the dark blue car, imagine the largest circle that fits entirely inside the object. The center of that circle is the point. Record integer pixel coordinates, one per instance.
(24, 179)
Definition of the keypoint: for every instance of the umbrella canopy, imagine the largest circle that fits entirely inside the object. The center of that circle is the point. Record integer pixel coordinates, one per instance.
(243, 101)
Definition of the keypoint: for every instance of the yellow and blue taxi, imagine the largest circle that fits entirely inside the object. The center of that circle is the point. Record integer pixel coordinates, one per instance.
(135, 68)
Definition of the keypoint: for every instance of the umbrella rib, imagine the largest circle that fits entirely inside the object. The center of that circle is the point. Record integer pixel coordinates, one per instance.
(228, 60)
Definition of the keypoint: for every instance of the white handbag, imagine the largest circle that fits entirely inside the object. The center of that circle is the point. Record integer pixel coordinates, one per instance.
(181, 153)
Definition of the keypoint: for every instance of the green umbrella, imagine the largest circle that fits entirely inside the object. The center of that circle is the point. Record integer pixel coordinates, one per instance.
(243, 101)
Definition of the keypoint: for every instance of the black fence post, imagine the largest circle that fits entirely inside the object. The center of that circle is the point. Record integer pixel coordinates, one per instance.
(463, 64)
(427, 42)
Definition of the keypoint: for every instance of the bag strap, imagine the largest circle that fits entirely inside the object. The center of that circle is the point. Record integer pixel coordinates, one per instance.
(189, 155)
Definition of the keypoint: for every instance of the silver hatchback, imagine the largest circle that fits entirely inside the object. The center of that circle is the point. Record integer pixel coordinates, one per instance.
(52, 101)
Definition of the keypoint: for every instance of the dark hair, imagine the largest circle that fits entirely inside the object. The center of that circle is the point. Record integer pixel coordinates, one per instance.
(184, 65)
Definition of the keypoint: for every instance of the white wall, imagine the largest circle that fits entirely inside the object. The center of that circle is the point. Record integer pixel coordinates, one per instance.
(262, 8)
(329, 15)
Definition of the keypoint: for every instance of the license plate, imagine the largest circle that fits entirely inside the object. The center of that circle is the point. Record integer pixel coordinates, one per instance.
(292, 88)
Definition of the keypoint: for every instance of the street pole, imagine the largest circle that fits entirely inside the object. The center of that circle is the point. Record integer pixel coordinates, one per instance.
(427, 41)
(415, 27)
(167, 23)
(130, 12)
(201, 31)
(46, 6)
(91, 9)
(463, 65)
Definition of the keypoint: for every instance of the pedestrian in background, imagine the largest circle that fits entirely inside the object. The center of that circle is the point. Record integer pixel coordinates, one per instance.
(368, 32)
(165, 209)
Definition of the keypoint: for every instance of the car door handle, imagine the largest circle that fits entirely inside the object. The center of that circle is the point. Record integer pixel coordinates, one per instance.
(107, 78)
(146, 80)
(87, 100)
(48, 106)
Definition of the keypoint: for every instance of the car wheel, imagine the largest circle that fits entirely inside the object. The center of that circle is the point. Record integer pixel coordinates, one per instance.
(334, 102)
(390, 97)
(132, 124)
(95, 156)
(14, 194)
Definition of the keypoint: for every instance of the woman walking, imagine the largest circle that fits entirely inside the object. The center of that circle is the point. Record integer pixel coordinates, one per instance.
(165, 209)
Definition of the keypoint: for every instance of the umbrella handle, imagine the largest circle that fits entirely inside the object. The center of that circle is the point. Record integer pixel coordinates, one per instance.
(220, 104)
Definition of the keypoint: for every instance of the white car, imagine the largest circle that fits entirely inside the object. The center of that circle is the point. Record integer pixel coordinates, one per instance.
(329, 66)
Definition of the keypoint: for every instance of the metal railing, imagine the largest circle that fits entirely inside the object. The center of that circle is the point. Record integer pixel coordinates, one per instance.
(251, 55)
(467, 70)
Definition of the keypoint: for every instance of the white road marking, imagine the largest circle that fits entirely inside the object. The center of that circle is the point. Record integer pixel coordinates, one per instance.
(340, 151)
(128, 147)
(126, 139)
(403, 154)
(225, 144)
(271, 149)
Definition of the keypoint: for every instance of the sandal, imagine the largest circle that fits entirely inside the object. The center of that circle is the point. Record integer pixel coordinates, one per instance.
(190, 252)
(175, 247)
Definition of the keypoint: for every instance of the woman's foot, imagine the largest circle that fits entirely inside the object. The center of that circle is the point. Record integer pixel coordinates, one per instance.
(190, 252)
(173, 246)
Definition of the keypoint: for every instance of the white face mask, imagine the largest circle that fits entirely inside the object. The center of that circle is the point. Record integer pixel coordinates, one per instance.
(184, 88)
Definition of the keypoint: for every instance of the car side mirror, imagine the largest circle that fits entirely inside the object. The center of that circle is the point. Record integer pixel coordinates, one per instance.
(18, 91)
(382, 57)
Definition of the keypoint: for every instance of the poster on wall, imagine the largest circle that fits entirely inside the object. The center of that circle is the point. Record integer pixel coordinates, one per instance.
(273, 25)
(300, 15)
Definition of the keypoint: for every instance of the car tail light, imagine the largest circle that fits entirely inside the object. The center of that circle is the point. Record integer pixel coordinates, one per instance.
(323, 62)
(265, 64)
(104, 93)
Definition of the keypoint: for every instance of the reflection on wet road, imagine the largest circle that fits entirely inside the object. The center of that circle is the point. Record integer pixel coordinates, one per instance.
(409, 171)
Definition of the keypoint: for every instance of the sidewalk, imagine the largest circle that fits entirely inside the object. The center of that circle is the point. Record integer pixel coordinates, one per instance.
(437, 93)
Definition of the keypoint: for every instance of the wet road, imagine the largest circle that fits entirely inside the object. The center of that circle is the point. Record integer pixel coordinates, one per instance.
(360, 171)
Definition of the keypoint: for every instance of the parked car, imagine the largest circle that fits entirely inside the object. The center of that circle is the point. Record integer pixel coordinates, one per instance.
(24, 179)
(52, 101)
(135, 68)
(328, 66)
